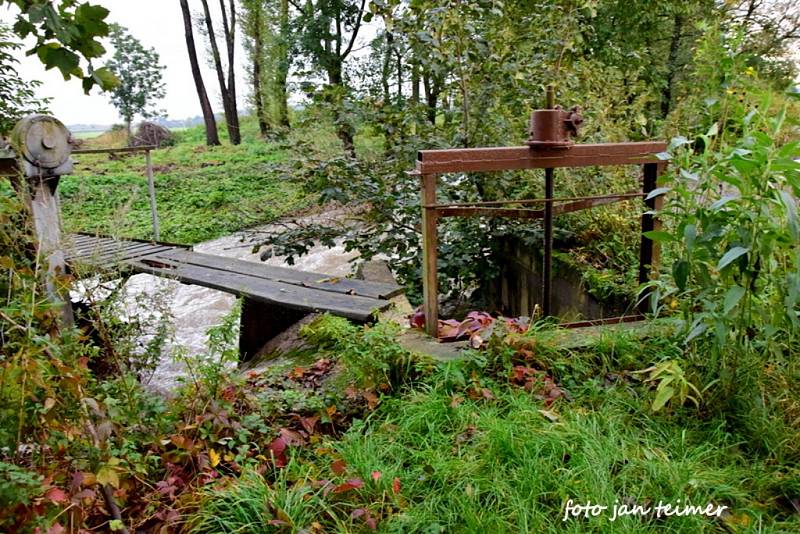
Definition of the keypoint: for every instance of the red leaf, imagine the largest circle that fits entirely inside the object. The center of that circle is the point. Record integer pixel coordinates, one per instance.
(371, 522)
(57, 495)
(56, 529)
(278, 448)
(338, 467)
(353, 483)
(376, 475)
(417, 320)
(396, 485)
(358, 512)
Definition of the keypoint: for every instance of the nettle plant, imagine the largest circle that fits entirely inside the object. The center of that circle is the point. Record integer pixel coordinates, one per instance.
(731, 223)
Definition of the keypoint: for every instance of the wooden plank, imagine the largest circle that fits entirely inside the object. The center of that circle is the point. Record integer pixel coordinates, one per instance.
(525, 157)
(282, 294)
(312, 280)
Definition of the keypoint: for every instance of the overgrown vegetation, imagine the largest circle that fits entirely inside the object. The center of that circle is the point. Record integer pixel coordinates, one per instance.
(354, 432)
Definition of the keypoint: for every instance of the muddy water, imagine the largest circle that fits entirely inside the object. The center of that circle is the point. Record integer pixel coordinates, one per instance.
(195, 309)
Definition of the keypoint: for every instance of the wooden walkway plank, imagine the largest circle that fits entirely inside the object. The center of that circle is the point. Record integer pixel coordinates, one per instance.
(280, 287)
(323, 282)
(285, 295)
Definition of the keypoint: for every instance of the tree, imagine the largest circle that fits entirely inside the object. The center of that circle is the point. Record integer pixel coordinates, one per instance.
(212, 136)
(255, 28)
(227, 88)
(17, 96)
(329, 29)
(139, 72)
(65, 32)
(281, 53)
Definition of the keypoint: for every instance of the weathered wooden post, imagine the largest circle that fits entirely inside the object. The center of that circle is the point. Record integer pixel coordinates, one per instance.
(151, 188)
(43, 147)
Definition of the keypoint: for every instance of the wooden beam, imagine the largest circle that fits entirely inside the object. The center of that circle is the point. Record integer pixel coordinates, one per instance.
(525, 157)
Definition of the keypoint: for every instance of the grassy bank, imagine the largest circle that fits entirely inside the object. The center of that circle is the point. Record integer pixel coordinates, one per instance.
(202, 192)
(473, 447)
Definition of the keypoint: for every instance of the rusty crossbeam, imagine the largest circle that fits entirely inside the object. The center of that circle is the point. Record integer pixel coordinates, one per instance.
(575, 204)
(526, 157)
(525, 201)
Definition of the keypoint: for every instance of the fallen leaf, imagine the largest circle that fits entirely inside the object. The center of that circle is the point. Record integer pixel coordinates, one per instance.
(338, 467)
(56, 495)
(376, 475)
(353, 483)
(213, 457)
(396, 486)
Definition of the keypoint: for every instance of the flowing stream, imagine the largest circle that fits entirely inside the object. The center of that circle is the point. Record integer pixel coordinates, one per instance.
(195, 309)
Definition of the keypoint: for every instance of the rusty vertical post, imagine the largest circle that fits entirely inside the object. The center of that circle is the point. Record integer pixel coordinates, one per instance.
(649, 252)
(151, 187)
(430, 243)
(547, 286)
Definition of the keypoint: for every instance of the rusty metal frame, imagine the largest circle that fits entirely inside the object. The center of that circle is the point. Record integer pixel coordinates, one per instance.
(431, 163)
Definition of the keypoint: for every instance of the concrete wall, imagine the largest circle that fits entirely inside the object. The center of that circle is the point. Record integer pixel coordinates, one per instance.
(518, 290)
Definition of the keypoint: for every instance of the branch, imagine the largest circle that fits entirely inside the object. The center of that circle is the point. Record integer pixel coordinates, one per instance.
(297, 7)
(355, 30)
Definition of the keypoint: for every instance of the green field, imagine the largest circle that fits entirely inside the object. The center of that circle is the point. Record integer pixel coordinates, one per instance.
(202, 192)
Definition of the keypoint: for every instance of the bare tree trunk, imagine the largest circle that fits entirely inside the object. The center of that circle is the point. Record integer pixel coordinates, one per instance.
(212, 136)
(415, 82)
(230, 44)
(258, 58)
(228, 103)
(387, 57)
(282, 71)
(672, 65)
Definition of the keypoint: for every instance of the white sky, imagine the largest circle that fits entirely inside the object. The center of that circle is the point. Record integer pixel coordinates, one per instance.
(158, 24)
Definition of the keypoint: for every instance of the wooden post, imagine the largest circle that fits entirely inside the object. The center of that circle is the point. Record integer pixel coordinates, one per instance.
(649, 253)
(47, 221)
(430, 279)
(151, 186)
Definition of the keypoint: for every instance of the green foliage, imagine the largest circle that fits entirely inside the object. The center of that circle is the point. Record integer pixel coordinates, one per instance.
(140, 76)
(371, 355)
(17, 96)
(252, 504)
(66, 31)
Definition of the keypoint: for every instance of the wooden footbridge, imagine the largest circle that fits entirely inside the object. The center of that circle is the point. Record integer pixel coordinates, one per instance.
(274, 297)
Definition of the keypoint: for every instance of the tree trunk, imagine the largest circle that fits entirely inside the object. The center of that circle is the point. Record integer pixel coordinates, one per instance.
(387, 56)
(415, 82)
(282, 71)
(344, 130)
(231, 113)
(258, 58)
(432, 90)
(230, 44)
(672, 65)
(212, 136)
